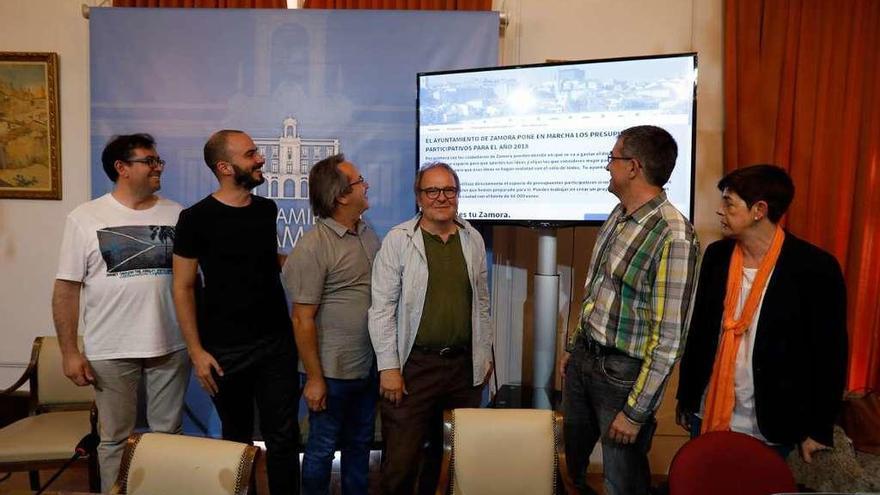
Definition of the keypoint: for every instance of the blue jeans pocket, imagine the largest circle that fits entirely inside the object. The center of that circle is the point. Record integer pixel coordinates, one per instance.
(620, 369)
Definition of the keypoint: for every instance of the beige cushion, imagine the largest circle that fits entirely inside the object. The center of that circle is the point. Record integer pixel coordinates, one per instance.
(176, 464)
(503, 452)
(52, 386)
(50, 436)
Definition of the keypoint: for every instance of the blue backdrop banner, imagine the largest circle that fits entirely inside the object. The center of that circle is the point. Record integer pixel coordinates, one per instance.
(304, 84)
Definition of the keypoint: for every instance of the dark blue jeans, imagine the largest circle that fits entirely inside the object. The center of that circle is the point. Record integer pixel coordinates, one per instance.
(347, 425)
(596, 388)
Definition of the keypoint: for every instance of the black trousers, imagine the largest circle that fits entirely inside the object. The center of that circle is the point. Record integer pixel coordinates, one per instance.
(274, 383)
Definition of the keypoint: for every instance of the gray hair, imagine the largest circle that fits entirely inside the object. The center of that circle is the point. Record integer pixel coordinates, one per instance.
(654, 147)
(430, 166)
(326, 185)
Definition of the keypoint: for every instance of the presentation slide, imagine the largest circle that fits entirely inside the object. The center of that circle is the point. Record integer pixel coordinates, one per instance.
(531, 143)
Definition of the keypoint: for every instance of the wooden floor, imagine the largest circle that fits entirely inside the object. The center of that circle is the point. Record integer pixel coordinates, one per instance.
(75, 479)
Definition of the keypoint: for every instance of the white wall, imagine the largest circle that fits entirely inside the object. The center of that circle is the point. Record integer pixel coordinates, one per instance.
(30, 230)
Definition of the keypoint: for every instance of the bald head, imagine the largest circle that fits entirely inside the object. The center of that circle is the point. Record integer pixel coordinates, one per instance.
(216, 148)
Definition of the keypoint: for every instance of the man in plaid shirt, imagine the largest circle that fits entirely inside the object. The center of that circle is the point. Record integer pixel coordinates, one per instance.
(637, 302)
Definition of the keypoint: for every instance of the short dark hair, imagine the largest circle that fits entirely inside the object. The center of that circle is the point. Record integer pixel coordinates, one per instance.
(119, 148)
(215, 149)
(762, 182)
(430, 166)
(654, 147)
(326, 185)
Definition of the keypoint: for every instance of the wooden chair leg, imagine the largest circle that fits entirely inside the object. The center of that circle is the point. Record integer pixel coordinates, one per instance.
(34, 476)
(252, 484)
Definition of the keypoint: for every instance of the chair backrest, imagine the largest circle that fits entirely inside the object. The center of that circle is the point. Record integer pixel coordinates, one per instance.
(49, 387)
(156, 463)
(502, 451)
(728, 463)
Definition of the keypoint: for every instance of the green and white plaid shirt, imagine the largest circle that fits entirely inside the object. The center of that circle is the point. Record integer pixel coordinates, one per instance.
(639, 291)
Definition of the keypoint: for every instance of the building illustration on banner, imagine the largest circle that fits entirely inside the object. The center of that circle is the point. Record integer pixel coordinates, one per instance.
(288, 161)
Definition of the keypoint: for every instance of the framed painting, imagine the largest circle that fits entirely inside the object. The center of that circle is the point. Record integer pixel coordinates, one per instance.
(30, 150)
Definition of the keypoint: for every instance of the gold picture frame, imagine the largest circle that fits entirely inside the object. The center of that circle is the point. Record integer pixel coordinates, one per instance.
(30, 149)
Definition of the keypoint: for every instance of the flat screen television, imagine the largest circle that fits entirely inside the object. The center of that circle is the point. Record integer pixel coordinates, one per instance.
(530, 143)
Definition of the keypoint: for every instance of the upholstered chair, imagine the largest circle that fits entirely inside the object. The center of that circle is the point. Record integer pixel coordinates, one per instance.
(503, 451)
(60, 415)
(159, 463)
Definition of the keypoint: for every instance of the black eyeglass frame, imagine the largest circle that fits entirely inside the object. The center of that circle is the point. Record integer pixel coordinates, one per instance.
(434, 192)
(150, 161)
(611, 157)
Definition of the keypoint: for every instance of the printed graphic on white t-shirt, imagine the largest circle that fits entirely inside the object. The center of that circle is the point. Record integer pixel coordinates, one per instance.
(137, 250)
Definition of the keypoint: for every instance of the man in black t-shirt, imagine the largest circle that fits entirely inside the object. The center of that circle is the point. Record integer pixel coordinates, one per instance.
(242, 345)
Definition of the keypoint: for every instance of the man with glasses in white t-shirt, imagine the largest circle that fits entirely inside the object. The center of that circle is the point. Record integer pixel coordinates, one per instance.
(116, 255)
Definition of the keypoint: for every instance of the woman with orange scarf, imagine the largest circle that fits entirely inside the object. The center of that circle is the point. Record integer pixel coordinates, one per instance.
(767, 346)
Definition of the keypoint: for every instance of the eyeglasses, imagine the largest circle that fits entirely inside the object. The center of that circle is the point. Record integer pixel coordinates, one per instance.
(434, 192)
(150, 161)
(611, 157)
(360, 180)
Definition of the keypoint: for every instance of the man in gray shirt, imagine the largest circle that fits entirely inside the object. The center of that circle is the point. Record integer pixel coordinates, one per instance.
(328, 279)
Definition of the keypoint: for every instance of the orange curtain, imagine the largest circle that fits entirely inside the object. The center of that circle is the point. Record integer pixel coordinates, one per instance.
(802, 90)
(401, 4)
(208, 4)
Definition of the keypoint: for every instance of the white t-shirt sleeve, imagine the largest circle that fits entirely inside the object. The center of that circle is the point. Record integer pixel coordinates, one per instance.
(72, 261)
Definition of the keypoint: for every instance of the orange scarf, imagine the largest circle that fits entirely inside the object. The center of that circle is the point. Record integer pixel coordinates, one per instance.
(720, 397)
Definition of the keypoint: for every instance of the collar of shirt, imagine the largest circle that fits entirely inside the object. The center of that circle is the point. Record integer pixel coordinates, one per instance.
(439, 239)
(413, 224)
(340, 229)
(642, 212)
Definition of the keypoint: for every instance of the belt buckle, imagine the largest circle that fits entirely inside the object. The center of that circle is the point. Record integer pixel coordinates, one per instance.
(447, 352)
